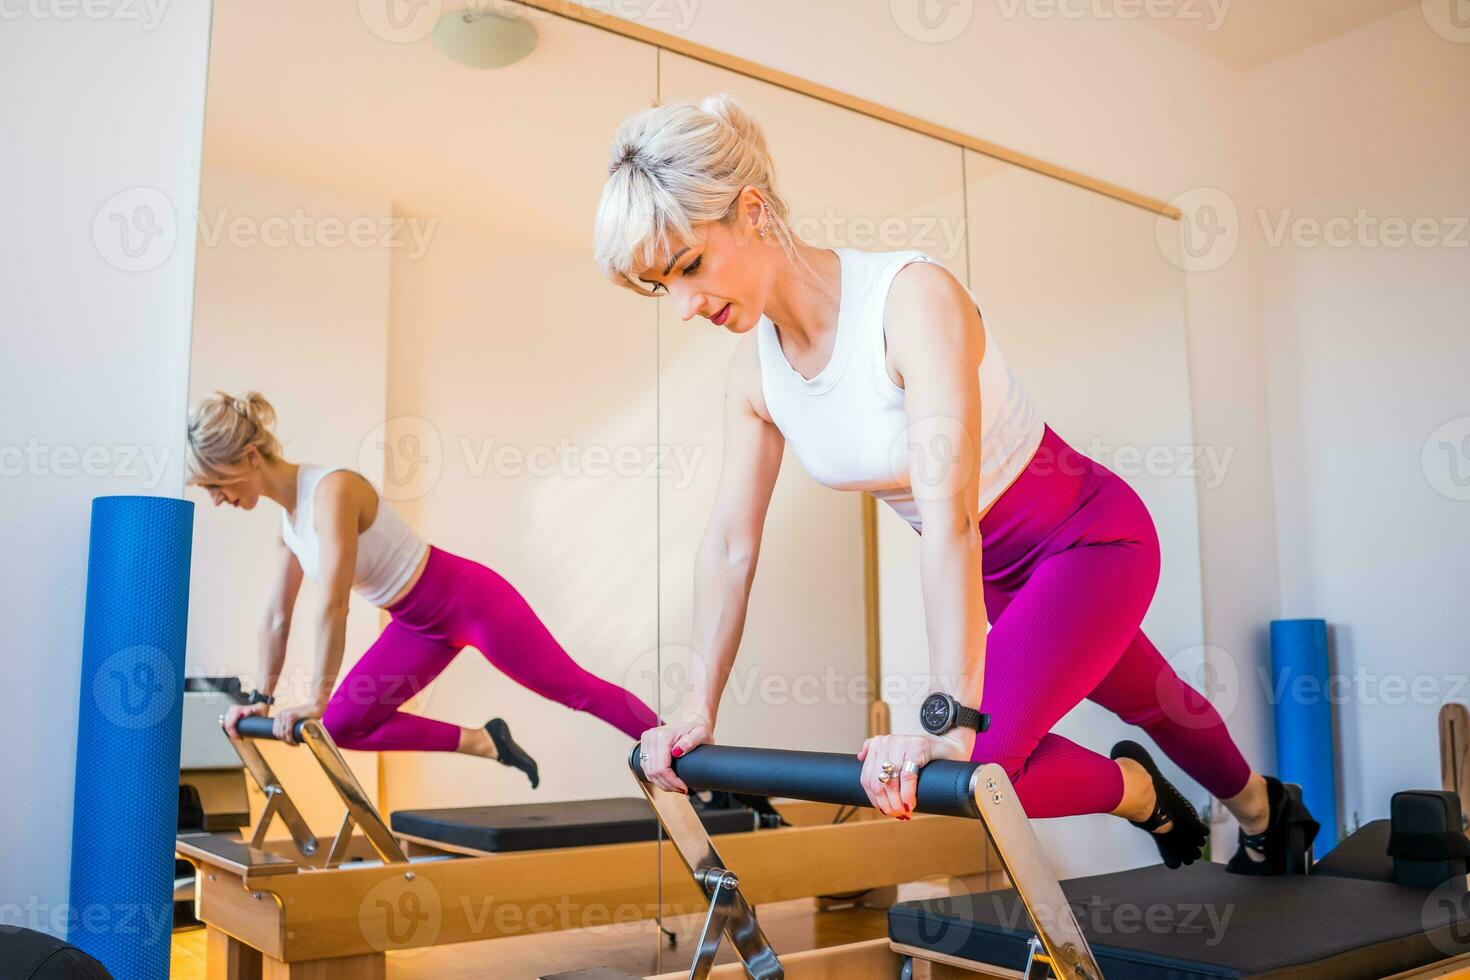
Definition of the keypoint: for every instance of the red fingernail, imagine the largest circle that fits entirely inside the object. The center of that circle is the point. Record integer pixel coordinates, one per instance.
(677, 752)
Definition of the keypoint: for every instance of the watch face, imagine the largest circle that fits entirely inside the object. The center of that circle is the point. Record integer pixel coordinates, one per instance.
(934, 715)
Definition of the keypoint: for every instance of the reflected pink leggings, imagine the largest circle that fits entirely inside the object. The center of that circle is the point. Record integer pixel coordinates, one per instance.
(1071, 561)
(458, 603)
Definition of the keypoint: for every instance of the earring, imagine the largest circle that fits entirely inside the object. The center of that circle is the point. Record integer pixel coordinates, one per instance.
(766, 212)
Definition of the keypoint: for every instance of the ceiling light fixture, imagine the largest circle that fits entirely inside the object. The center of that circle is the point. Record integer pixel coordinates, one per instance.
(482, 39)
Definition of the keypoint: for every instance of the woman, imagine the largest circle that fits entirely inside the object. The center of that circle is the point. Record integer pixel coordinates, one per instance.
(878, 370)
(337, 531)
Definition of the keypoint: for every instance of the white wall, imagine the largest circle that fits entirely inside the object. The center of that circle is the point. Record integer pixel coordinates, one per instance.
(95, 358)
(1369, 345)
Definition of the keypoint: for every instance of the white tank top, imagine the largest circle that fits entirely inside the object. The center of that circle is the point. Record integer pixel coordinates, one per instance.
(848, 426)
(387, 552)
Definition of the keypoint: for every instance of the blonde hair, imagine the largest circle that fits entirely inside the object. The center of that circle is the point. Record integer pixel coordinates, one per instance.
(222, 427)
(675, 166)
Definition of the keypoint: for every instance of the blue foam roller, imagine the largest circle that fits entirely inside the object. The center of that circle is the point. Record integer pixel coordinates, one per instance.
(1304, 750)
(125, 811)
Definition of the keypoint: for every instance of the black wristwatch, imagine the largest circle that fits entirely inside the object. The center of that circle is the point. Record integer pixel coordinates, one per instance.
(255, 697)
(940, 713)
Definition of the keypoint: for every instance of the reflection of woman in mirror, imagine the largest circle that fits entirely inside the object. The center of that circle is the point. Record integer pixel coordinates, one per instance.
(337, 531)
(878, 371)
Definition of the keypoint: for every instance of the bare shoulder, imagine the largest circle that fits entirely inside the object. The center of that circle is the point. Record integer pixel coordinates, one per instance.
(743, 380)
(345, 490)
(927, 303)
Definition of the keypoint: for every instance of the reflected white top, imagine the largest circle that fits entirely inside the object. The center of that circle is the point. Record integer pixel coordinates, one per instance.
(848, 425)
(387, 552)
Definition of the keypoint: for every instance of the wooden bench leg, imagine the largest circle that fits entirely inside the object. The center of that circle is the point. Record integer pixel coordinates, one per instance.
(370, 966)
(226, 958)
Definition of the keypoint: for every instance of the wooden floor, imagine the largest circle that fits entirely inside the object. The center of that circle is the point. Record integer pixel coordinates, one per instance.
(635, 948)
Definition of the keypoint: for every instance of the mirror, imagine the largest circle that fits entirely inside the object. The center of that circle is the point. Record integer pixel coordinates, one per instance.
(394, 249)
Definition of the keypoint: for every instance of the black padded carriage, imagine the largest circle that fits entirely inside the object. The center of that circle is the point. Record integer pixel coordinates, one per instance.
(537, 826)
(1200, 921)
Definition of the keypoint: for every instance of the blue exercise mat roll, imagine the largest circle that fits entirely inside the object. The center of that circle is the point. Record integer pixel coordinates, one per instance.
(1304, 751)
(125, 810)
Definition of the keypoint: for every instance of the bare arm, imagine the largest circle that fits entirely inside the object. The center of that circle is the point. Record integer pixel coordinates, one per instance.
(937, 341)
(275, 629)
(342, 499)
(339, 507)
(724, 566)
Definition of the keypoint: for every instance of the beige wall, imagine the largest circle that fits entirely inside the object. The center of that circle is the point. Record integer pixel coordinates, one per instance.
(1369, 342)
(516, 361)
(302, 317)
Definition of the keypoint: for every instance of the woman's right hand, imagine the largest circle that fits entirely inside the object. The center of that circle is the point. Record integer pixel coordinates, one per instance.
(660, 746)
(238, 711)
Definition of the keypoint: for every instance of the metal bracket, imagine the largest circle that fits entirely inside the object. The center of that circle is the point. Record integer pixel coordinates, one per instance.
(360, 811)
(1058, 949)
(729, 914)
(1058, 934)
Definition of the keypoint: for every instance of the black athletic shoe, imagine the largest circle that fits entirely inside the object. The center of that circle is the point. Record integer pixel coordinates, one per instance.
(510, 753)
(1286, 843)
(1185, 841)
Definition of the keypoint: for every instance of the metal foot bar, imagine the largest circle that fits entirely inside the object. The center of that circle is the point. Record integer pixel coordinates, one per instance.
(729, 914)
(360, 811)
(950, 788)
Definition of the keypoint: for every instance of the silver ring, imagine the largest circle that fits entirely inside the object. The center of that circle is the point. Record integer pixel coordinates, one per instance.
(911, 767)
(887, 773)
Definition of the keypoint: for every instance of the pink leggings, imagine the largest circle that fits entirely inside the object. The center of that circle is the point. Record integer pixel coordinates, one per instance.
(458, 603)
(1070, 563)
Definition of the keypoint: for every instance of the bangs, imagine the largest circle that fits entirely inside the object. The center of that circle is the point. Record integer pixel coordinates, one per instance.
(639, 224)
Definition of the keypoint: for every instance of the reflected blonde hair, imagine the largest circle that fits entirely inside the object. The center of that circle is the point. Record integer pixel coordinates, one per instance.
(675, 166)
(222, 427)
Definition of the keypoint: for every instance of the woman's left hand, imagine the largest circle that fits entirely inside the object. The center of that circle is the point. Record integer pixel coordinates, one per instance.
(286, 718)
(907, 754)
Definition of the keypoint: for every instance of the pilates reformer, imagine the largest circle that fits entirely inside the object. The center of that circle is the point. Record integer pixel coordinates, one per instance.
(1358, 913)
(330, 908)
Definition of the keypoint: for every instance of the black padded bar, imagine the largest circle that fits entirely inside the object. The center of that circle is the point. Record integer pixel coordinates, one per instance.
(256, 726)
(825, 777)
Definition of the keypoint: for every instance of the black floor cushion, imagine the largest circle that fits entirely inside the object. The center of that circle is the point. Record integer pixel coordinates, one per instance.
(1200, 921)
